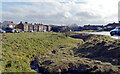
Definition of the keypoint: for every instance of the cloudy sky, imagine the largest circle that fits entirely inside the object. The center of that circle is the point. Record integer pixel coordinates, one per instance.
(80, 12)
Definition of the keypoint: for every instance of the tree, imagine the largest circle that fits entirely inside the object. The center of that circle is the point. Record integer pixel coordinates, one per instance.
(62, 29)
(55, 29)
(67, 31)
(73, 27)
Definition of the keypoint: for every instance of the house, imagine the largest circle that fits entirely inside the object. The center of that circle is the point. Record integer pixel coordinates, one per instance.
(44, 28)
(111, 26)
(92, 27)
(55, 28)
(23, 26)
(8, 24)
(30, 27)
(35, 27)
(79, 28)
(47, 27)
(38, 27)
(41, 27)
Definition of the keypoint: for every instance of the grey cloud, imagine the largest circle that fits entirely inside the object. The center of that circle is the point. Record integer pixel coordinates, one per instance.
(88, 15)
(50, 13)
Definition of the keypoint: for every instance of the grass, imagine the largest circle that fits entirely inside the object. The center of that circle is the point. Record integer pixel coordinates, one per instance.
(63, 53)
(18, 49)
(60, 62)
(101, 47)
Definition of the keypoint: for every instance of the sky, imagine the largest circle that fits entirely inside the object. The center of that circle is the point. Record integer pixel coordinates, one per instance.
(58, 12)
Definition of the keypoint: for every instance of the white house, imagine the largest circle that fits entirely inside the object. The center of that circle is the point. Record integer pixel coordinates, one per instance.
(8, 24)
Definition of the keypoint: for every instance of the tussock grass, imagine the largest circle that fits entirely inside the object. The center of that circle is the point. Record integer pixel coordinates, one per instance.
(98, 47)
(67, 63)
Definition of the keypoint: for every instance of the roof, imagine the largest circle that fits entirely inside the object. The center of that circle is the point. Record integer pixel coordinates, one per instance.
(10, 22)
(38, 24)
(93, 25)
(113, 24)
(24, 23)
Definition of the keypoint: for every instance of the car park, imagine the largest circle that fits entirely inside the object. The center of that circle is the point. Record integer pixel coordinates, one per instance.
(115, 31)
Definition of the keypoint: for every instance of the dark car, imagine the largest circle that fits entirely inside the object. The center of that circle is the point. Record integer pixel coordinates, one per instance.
(115, 31)
(11, 30)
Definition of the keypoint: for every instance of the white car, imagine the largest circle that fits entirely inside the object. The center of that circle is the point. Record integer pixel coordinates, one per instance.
(2, 31)
(31, 31)
(15, 31)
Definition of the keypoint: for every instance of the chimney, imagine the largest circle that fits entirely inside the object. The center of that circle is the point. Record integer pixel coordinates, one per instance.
(25, 22)
(20, 22)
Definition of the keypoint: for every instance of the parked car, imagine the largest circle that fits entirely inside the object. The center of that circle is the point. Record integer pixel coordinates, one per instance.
(20, 31)
(11, 30)
(15, 31)
(115, 31)
(99, 29)
(2, 31)
(31, 31)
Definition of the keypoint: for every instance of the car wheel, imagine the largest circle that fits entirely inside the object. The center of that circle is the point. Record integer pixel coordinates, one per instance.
(118, 34)
(113, 33)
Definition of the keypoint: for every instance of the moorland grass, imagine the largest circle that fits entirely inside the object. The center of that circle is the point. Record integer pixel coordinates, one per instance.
(18, 49)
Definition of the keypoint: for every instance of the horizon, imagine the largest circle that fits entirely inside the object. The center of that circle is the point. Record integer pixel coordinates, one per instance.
(59, 24)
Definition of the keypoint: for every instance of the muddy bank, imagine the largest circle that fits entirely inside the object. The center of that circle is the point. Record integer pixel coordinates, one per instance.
(76, 65)
(99, 47)
(60, 62)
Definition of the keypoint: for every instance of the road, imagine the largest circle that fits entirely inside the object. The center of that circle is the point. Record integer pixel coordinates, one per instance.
(103, 33)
